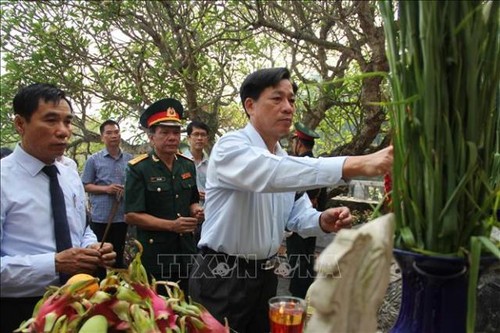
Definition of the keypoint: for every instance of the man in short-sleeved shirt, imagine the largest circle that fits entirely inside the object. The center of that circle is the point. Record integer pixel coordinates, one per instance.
(104, 179)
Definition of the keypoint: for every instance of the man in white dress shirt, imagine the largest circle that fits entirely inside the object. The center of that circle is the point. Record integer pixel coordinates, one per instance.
(29, 259)
(250, 200)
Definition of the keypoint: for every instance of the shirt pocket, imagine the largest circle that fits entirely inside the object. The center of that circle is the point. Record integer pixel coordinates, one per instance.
(158, 193)
(188, 184)
(76, 213)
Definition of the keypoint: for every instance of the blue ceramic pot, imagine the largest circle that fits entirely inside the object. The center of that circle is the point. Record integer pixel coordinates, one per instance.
(434, 295)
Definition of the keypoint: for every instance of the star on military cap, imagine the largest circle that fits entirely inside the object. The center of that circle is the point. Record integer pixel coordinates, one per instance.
(304, 133)
(166, 112)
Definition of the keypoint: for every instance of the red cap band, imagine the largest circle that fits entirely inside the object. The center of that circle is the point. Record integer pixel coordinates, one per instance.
(168, 115)
(302, 136)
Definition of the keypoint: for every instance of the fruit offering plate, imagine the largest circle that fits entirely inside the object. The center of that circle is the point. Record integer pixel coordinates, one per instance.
(124, 301)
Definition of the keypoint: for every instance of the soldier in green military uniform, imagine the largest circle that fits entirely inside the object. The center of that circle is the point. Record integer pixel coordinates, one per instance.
(300, 251)
(161, 197)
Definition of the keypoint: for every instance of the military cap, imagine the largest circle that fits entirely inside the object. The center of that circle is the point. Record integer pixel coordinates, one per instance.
(304, 133)
(166, 112)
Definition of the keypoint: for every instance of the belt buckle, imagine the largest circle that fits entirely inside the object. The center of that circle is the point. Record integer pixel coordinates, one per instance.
(271, 263)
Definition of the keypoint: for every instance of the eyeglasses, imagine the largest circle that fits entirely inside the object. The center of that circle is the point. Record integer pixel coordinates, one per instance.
(199, 135)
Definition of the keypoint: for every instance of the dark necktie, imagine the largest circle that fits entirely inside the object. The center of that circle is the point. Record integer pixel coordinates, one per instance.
(61, 228)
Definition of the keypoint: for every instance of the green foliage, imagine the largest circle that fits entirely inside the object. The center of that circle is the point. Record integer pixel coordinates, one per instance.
(7, 131)
(116, 57)
(344, 118)
(341, 120)
(444, 77)
(232, 117)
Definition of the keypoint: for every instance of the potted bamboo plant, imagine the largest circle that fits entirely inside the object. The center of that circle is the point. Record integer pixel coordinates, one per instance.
(444, 79)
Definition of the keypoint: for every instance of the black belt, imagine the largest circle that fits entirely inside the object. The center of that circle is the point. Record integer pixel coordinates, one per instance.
(265, 264)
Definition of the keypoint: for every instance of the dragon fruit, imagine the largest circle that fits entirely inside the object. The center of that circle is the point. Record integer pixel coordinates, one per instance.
(124, 302)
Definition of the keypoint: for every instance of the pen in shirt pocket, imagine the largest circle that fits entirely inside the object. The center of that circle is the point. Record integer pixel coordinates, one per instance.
(74, 200)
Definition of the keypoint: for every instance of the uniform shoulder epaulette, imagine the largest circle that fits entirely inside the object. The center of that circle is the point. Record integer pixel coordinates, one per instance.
(184, 156)
(137, 159)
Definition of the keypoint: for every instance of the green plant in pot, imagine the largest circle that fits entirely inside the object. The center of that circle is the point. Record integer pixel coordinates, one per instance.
(444, 78)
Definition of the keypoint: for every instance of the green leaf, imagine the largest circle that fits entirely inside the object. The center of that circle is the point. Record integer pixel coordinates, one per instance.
(474, 258)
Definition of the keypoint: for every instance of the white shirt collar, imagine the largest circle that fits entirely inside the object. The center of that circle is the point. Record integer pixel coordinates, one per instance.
(256, 139)
(31, 164)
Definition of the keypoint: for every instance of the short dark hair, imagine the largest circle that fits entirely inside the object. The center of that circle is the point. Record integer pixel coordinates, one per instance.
(197, 124)
(106, 123)
(27, 99)
(259, 80)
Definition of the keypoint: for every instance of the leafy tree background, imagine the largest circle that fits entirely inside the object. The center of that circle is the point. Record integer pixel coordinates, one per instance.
(114, 58)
